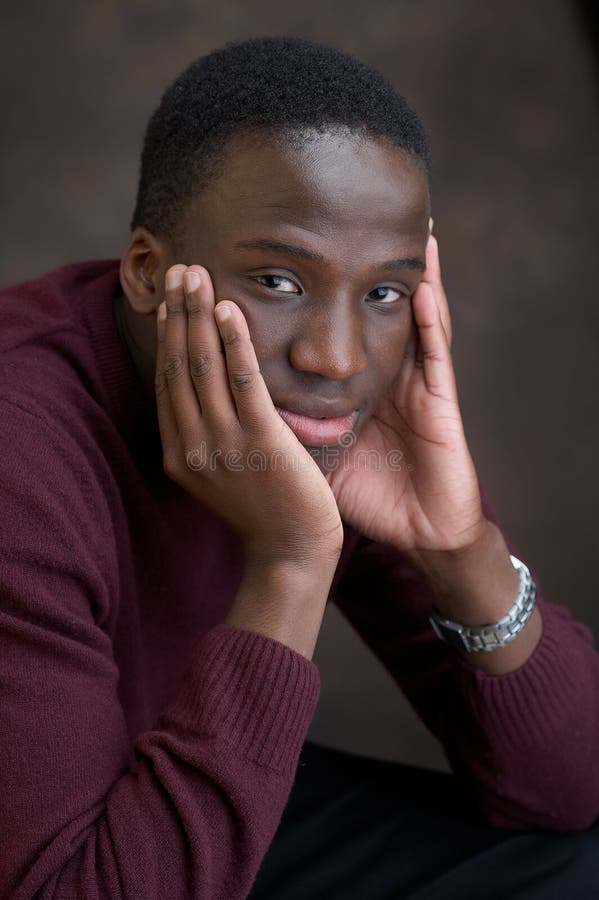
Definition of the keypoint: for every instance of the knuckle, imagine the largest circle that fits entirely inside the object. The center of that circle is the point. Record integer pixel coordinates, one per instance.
(232, 339)
(199, 365)
(242, 381)
(168, 466)
(173, 367)
(174, 310)
(196, 310)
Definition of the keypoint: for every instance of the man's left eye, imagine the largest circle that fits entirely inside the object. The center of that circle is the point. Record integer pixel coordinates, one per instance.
(278, 283)
(386, 294)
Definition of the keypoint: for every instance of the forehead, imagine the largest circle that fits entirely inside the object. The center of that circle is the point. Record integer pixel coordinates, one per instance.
(337, 184)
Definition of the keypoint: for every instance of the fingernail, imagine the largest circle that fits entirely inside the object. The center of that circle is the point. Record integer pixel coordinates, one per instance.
(430, 225)
(222, 313)
(162, 312)
(192, 281)
(174, 279)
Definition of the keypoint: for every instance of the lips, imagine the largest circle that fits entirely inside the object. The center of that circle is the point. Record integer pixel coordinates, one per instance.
(318, 423)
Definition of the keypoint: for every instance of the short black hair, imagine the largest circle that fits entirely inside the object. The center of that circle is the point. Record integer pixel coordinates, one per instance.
(291, 84)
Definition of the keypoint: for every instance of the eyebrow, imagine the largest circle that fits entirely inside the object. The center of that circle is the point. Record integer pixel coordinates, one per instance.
(410, 262)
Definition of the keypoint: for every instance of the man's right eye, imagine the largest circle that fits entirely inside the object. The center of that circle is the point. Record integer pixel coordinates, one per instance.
(278, 283)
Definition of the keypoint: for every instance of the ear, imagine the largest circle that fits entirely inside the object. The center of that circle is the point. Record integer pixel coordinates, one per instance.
(143, 267)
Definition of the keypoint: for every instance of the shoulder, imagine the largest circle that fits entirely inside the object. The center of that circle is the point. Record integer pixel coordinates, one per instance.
(51, 303)
(47, 356)
(51, 459)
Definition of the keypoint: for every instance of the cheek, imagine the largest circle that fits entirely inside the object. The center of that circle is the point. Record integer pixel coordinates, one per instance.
(269, 327)
(388, 358)
(269, 342)
(271, 334)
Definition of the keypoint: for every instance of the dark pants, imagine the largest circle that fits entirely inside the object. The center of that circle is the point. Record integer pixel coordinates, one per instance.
(357, 828)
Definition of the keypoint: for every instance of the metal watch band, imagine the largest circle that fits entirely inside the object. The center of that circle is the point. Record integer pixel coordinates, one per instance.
(490, 637)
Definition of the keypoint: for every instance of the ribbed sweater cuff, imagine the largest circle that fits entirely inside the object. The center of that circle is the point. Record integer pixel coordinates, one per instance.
(250, 691)
(530, 703)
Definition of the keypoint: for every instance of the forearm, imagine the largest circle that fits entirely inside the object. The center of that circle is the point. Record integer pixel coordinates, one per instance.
(285, 601)
(478, 586)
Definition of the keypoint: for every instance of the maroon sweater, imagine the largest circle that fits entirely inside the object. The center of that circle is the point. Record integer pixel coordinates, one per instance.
(147, 750)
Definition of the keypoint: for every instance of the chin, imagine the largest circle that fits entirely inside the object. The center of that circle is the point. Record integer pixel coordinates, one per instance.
(328, 457)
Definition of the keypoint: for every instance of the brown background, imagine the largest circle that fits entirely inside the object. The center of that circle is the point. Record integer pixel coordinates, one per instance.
(506, 91)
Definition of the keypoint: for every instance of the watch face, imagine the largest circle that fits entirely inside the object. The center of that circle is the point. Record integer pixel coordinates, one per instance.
(451, 636)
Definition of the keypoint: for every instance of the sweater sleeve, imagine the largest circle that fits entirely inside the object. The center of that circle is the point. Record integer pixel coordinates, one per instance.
(186, 811)
(524, 744)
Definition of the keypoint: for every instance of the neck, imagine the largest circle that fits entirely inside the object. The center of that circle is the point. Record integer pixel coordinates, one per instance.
(139, 338)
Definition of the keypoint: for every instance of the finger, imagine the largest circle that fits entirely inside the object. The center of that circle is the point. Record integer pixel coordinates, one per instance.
(435, 353)
(413, 348)
(412, 344)
(169, 433)
(432, 276)
(254, 404)
(207, 365)
(184, 402)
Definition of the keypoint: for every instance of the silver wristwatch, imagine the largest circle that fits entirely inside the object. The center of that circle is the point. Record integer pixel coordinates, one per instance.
(490, 637)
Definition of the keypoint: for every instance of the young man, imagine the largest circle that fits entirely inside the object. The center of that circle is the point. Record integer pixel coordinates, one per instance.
(254, 410)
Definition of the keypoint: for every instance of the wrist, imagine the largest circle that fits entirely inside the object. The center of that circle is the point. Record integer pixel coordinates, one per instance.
(431, 560)
(303, 560)
(285, 600)
(288, 574)
(475, 584)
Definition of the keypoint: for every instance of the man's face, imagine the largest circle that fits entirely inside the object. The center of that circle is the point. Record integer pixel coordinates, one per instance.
(321, 245)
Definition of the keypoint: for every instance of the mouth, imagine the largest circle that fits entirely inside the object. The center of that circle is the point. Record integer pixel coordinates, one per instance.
(321, 427)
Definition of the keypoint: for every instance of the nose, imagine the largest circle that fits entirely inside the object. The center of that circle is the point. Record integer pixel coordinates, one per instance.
(330, 343)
